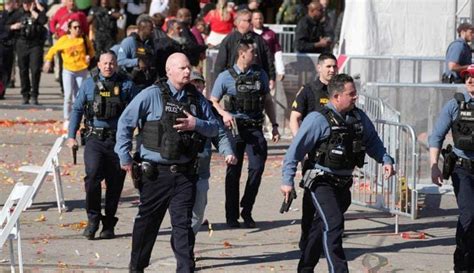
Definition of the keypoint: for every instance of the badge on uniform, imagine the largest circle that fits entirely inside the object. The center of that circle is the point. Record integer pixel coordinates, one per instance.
(116, 90)
(323, 101)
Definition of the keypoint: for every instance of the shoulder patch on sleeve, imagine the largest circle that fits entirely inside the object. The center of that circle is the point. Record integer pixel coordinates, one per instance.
(294, 105)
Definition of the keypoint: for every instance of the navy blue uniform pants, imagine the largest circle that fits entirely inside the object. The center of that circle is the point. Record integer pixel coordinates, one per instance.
(251, 141)
(30, 60)
(308, 210)
(463, 184)
(327, 228)
(175, 192)
(102, 163)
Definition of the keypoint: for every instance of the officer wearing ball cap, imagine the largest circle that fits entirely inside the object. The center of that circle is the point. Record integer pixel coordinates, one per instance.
(456, 116)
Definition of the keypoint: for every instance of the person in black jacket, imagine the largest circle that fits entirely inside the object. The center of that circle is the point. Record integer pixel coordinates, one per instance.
(7, 45)
(27, 23)
(190, 47)
(104, 20)
(310, 36)
(228, 48)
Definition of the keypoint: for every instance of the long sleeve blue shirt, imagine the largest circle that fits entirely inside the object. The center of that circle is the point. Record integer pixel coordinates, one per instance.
(225, 84)
(148, 106)
(86, 93)
(127, 53)
(313, 130)
(444, 123)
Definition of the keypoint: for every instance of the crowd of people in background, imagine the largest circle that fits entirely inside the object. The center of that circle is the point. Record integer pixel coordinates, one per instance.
(27, 26)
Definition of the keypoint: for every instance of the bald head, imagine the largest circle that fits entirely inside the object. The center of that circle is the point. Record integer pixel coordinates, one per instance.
(315, 10)
(178, 70)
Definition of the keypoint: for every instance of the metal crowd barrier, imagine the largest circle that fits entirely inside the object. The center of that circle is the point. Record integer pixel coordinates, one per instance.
(396, 68)
(397, 195)
(375, 108)
(426, 100)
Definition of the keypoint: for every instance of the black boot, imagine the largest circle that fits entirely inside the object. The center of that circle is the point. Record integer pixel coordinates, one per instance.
(108, 224)
(248, 220)
(91, 229)
(26, 100)
(34, 101)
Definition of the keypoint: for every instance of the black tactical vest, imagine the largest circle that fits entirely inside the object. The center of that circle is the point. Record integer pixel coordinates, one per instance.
(463, 126)
(343, 149)
(250, 97)
(160, 136)
(107, 103)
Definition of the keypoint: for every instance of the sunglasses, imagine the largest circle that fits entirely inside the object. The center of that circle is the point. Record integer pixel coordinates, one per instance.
(76, 27)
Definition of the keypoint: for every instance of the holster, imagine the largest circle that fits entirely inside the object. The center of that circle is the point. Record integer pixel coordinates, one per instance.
(137, 171)
(84, 133)
(309, 179)
(450, 159)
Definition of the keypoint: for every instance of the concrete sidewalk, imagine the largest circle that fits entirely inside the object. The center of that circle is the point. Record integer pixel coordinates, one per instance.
(53, 242)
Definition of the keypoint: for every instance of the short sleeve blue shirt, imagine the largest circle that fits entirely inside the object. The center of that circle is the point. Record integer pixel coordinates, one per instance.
(225, 84)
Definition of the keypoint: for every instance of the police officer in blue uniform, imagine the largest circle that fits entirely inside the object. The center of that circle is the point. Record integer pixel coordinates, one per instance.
(174, 121)
(101, 99)
(456, 116)
(312, 97)
(136, 54)
(244, 90)
(339, 137)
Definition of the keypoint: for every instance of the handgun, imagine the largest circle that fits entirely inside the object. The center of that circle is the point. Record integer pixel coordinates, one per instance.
(74, 154)
(285, 206)
(234, 129)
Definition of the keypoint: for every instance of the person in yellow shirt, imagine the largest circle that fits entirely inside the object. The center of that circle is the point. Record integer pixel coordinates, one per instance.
(76, 51)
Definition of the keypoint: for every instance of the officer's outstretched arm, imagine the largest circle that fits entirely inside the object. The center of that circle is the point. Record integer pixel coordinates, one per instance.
(436, 175)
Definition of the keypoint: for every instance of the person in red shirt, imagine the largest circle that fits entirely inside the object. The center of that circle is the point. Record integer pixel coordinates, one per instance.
(221, 22)
(58, 23)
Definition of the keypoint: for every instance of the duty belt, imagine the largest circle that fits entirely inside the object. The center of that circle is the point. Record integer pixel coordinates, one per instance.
(465, 163)
(186, 168)
(255, 123)
(103, 133)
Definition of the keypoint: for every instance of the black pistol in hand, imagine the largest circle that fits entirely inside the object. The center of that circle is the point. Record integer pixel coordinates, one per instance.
(74, 154)
(234, 129)
(285, 206)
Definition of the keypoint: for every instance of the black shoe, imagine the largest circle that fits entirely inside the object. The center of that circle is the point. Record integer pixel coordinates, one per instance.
(248, 221)
(134, 270)
(233, 223)
(91, 229)
(26, 101)
(34, 101)
(108, 228)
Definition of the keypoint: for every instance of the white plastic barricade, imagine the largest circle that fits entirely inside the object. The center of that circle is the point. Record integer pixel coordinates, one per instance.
(49, 167)
(397, 195)
(9, 220)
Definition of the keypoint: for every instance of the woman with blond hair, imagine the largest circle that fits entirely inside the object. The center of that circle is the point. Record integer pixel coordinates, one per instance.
(221, 22)
(77, 51)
